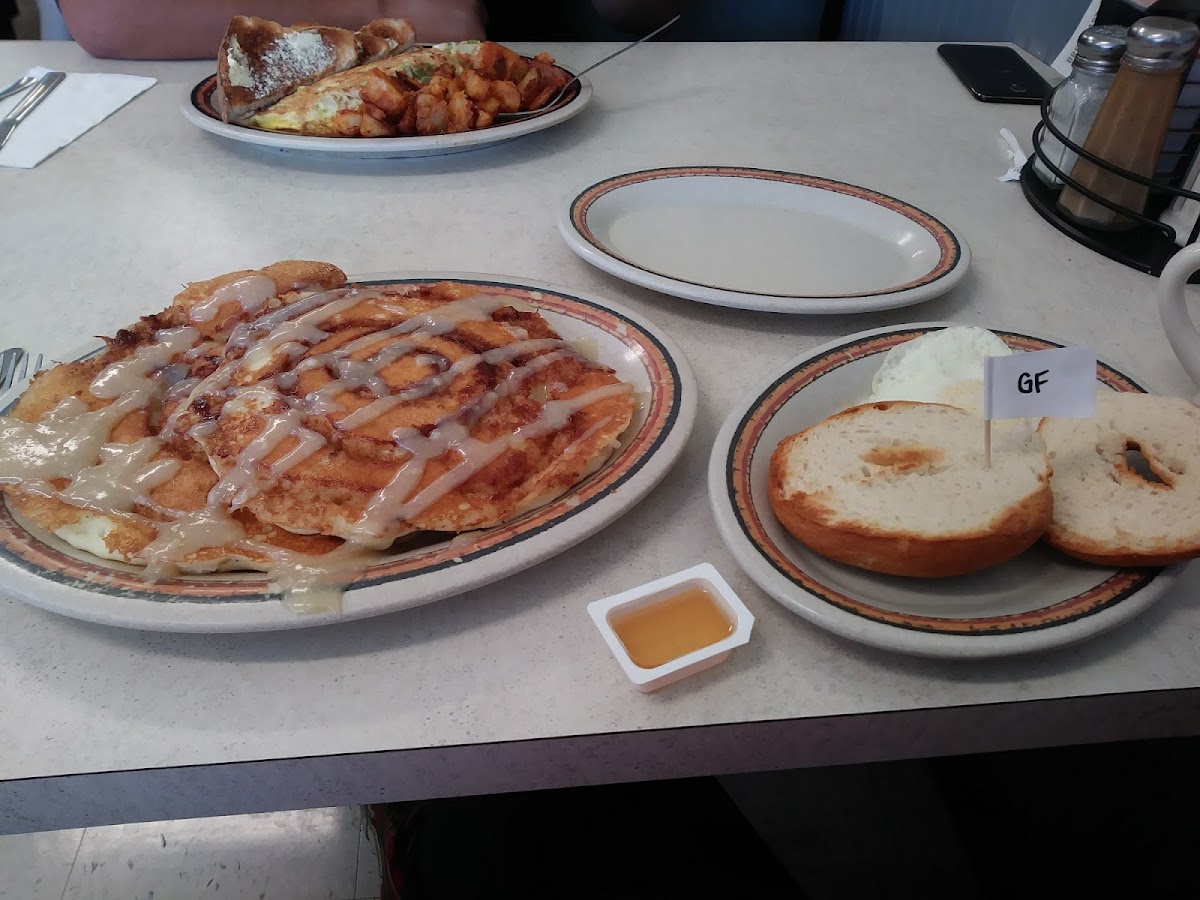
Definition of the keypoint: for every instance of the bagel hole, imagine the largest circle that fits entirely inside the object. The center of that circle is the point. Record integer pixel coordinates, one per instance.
(1139, 465)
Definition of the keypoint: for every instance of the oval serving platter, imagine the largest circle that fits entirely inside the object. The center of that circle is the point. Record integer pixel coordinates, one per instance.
(763, 239)
(41, 570)
(1041, 599)
(198, 108)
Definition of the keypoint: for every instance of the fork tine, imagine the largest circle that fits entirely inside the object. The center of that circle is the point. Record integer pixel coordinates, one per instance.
(14, 366)
(7, 376)
(8, 362)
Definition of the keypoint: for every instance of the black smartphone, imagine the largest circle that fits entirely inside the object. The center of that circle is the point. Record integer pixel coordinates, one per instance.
(995, 74)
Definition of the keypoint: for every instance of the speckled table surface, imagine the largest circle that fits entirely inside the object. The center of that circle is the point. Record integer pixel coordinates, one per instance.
(510, 687)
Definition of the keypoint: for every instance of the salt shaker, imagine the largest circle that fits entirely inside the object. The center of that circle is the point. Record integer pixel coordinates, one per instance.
(1132, 122)
(1077, 100)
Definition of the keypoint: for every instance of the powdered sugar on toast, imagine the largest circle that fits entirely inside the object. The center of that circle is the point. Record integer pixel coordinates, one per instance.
(293, 58)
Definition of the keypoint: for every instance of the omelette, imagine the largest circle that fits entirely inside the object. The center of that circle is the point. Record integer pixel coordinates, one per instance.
(273, 416)
(313, 109)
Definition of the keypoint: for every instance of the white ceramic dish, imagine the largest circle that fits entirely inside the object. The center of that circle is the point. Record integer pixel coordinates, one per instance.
(43, 571)
(198, 109)
(705, 576)
(761, 239)
(1040, 600)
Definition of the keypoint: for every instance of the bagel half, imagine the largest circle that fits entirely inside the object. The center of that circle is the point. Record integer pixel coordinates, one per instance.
(1105, 512)
(901, 488)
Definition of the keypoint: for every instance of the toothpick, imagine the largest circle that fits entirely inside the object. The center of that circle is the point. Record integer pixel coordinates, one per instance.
(987, 443)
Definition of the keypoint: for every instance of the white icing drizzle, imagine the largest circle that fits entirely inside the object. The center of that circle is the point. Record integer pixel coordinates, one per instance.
(242, 482)
(124, 478)
(309, 442)
(315, 585)
(59, 446)
(132, 375)
(250, 293)
(190, 532)
(73, 443)
(574, 446)
(69, 440)
(202, 430)
(389, 504)
(430, 385)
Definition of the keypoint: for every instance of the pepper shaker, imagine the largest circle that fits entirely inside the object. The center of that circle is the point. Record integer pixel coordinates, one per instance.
(1132, 122)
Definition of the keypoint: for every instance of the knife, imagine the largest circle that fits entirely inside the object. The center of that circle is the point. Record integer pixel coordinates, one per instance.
(29, 102)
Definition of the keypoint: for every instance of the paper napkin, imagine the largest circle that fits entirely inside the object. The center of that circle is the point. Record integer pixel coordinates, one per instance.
(1015, 154)
(74, 107)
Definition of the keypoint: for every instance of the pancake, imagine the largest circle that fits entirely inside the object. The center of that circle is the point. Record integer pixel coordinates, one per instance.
(83, 457)
(269, 417)
(372, 414)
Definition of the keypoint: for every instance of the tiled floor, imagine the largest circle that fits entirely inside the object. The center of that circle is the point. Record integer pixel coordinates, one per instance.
(318, 853)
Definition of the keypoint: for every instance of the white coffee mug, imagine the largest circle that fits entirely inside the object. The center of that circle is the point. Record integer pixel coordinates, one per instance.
(1172, 309)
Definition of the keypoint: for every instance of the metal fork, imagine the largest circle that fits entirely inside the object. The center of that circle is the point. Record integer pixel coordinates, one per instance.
(14, 367)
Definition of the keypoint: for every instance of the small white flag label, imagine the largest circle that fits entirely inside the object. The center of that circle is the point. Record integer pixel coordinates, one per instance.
(1040, 383)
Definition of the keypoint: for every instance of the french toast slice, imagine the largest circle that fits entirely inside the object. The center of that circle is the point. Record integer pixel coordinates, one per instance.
(260, 62)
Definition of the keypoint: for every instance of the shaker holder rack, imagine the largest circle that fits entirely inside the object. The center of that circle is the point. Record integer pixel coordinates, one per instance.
(1150, 243)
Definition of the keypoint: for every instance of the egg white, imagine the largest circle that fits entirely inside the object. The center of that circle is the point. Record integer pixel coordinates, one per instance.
(943, 366)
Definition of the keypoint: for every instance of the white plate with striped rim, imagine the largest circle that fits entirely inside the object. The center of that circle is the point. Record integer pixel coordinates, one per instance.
(44, 571)
(197, 106)
(763, 239)
(1040, 600)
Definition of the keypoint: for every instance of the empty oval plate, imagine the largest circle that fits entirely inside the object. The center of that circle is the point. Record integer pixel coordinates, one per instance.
(761, 239)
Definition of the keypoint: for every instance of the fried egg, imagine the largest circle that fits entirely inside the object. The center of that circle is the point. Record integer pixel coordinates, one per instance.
(943, 366)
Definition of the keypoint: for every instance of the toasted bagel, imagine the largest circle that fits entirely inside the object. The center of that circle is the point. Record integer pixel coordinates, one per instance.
(901, 488)
(1108, 512)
